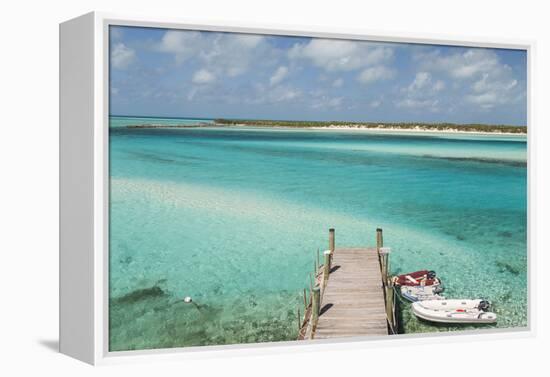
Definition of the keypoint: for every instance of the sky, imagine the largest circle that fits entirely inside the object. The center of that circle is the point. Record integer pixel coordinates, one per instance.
(197, 74)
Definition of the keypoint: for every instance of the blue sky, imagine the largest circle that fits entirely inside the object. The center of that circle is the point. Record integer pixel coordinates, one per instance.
(179, 73)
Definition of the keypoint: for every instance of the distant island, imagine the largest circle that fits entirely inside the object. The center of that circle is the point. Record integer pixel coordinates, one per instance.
(341, 125)
(405, 126)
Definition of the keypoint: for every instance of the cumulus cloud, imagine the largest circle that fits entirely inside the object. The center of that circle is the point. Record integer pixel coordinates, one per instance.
(489, 91)
(341, 55)
(229, 54)
(121, 56)
(203, 76)
(471, 62)
(183, 44)
(488, 82)
(418, 104)
(424, 83)
(421, 93)
(373, 74)
(278, 75)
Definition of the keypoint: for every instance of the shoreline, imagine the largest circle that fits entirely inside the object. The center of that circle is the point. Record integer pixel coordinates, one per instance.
(416, 130)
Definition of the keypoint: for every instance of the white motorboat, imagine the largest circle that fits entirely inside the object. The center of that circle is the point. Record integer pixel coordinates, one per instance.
(422, 293)
(454, 311)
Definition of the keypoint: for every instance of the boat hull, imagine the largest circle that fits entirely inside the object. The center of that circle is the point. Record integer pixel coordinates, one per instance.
(452, 311)
(417, 278)
(421, 293)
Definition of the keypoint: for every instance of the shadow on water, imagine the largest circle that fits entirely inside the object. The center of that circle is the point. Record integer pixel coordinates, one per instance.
(512, 163)
(139, 295)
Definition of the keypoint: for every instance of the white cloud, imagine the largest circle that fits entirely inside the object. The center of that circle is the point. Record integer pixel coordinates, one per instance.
(247, 40)
(489, 91)
(341, 55)
(373, 74)
(338, 83)
(423, 84)
(182, 43)
(232, 54)
(464, 64)
(203, 76)
(121, 56)
(228, 54)
(418, 104)
(420, 81)
(421, 93)
(285, 94)
(278, 75)
(484, 80)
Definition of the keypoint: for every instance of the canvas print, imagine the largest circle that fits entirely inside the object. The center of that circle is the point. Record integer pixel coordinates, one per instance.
(269, 188)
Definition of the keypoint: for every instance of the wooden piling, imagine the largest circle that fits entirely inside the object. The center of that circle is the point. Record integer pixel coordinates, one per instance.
(331, 240)
(299, 320)
(305, 299)
(326, 268)
(390, 306)
(315, 306)
(379, 239)
(382, 257)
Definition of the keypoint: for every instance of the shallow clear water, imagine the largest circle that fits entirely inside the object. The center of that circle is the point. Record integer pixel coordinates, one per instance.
(234, 218)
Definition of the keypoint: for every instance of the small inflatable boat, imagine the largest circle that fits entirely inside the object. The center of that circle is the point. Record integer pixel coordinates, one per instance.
(422, 277)
(422, 292)
(454, 311)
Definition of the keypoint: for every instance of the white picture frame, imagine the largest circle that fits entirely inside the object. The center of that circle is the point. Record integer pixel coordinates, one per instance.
(84, 98)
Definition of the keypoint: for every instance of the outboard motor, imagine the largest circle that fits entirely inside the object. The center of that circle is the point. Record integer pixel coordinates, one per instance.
(484, 305)
(439, 289)
(431, 275)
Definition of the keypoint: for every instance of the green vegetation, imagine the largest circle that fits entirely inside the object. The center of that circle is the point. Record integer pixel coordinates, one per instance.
(498, 128)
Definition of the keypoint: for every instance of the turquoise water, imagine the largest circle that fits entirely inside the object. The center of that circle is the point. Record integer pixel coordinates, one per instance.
(233, 218)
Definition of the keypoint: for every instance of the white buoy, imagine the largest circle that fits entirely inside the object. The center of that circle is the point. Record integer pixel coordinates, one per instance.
(187, 300)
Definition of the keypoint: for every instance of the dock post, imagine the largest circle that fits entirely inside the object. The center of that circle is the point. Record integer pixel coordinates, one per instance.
(326, 268)
(390, 302)
(379, 239)
(315, 304)
(318, 261)
(331, 240)
(381, 257)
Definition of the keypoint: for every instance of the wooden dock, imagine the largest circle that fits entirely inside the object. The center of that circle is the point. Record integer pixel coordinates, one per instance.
(353, 304)
(352, 294)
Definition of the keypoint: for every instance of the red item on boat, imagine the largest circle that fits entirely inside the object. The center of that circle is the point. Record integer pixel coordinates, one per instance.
(415, 278)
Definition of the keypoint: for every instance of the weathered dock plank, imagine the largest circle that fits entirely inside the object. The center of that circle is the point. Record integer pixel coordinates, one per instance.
(352, 303)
